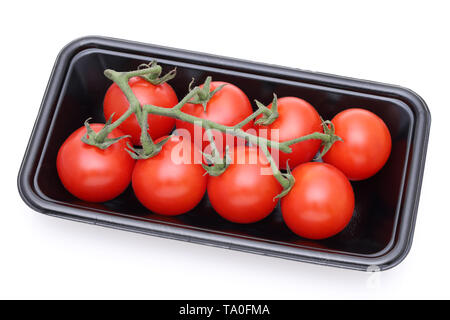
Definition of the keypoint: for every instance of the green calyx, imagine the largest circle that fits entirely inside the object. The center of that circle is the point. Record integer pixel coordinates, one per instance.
(287, 182)
(149, 148)
(329, 131)
(154, 75)
(145, 153)
(203, 95)
(268, 115)
(216, 164)
(100, 139)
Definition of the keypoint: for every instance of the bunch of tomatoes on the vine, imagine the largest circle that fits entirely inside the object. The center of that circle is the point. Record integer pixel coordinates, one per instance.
(137, 145)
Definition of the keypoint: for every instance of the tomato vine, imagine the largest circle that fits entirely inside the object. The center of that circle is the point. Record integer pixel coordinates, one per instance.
(198, 95)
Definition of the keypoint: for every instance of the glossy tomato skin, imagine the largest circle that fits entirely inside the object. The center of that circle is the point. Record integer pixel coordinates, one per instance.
(161, 95)
(366, 144)
(166, 185)
(296, 118)
(228, 106)
(242, 194)
(321, 202)
(92, 174)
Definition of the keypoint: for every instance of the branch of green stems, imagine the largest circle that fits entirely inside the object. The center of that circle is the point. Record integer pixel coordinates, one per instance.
(216, 165)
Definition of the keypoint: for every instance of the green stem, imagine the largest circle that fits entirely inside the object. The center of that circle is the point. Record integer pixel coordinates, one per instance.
(177, 114)
(101, 136)
(269, 115)
(186, 98)
(233, 130)
(315, 135)
(151, 73)
(276, 172)
(198, 96)
(114, 75)
(286, 180)
(249, 118)
(148, 146)
(217, 164)
(121, 79)
(214, 151)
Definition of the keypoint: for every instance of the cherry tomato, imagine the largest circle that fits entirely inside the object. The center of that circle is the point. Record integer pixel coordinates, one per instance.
(245, 192)
(172, 182)
(92, 174)
(228, 106)
(365, 147)
(161, 95)
(321, 202)
(296, 118)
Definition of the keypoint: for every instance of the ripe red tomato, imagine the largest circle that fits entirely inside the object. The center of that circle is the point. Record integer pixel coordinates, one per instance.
(242, 194)
(296, 118)
(228, 106)
(92, 174)
(365, 147)
(161, 95)
(321, 202)
(172, 182)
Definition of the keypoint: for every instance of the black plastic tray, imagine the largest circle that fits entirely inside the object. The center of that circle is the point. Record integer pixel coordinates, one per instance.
(380, 233)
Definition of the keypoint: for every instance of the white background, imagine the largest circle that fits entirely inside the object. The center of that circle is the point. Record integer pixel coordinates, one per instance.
(401, 42)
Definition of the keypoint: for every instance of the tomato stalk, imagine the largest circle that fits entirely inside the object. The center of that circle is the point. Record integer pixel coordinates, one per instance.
(286, 180)
(235, 130)
(328, 129)
(197, 95)
(269, 115)
(154, 71)
(262, 109)
(203, 95)
(99, 139)
(149, 148)
(150, 72)
(217, 164)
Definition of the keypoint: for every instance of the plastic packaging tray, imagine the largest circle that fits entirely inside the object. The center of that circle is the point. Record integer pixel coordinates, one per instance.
(381, 231)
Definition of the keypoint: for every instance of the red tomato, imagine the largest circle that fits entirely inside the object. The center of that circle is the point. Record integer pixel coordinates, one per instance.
(159, 95)
(90, 173)
(365, 147)
(242, 194)
(321, 202)
(228, 106)
(296, 118)
(170, 183)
